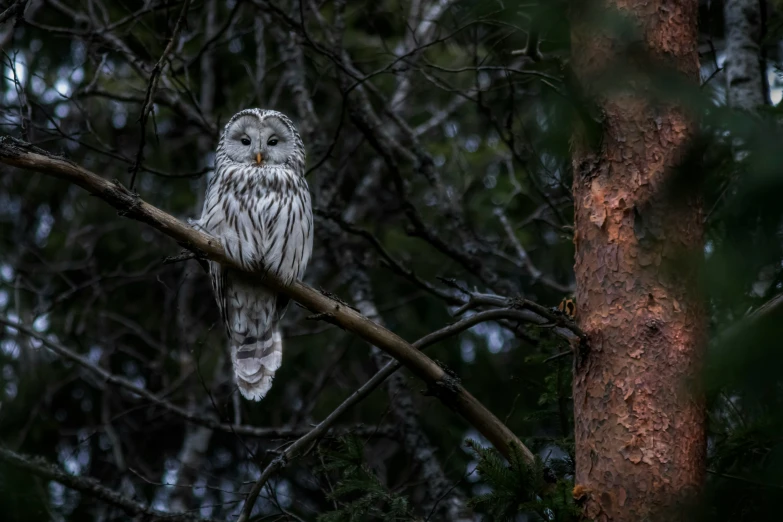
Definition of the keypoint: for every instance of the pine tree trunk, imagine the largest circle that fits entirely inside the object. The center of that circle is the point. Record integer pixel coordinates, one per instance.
(639, 427)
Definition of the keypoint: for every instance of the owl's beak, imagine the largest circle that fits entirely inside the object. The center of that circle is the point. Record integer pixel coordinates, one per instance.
(259, 158)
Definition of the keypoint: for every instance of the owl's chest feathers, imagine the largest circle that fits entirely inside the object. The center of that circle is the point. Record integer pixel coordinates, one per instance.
(263, 214)
(260, 194)
(251, 184)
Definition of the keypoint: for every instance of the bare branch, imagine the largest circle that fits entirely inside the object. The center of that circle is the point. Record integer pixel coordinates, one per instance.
(90, 486)
(445, 387)
(448, 502)
(153, 86)
(205, 421)
(306, 443)
(536, 274)
(15, 8)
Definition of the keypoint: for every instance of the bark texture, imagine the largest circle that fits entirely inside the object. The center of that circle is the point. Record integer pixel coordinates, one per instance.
(639, 426)
(744, 80)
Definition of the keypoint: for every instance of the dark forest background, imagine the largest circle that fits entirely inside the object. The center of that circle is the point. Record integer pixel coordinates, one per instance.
(438, 137)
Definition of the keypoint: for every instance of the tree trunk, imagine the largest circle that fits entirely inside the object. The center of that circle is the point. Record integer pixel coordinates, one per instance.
(639, 426)
(744, 80)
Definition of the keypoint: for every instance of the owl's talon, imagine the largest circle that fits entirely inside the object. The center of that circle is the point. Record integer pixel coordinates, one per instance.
(185, 255)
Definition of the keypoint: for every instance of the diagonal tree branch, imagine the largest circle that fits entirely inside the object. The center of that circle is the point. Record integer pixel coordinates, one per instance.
(438, 493)
(89, 486)
(188, 415)
(307, 441)
(441, 384)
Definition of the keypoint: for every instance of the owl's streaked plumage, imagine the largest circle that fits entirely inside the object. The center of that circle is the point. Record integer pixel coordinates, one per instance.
(258, 205)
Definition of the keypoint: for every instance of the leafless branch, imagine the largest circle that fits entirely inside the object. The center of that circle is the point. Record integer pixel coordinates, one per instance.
(446, 388)
(153, 86)
(89, 486)
(306, 442)
(201, 420)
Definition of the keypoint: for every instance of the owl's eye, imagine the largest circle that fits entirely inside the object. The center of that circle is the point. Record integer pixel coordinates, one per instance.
(272, 142)
(245, 141)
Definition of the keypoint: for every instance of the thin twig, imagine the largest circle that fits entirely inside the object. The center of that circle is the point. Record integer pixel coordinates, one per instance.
(89, 486)
(151, 88)
(285, 432)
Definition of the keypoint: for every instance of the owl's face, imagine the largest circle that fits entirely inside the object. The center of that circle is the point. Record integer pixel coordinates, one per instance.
(260, 139)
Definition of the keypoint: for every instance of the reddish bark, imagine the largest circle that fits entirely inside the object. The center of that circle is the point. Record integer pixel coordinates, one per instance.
(639, 426)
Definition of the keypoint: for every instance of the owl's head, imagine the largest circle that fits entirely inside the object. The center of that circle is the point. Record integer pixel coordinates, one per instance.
(262, 138)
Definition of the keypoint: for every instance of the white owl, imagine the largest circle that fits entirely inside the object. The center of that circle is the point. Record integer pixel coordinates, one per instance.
(258, 205)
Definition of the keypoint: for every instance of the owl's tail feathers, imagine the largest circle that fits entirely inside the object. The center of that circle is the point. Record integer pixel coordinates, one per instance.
(255, 362)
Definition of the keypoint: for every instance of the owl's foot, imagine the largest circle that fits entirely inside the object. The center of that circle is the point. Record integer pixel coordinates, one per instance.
(187, 255)
(195, 223)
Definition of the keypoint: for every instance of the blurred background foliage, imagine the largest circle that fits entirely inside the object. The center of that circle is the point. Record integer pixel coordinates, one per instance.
(496, 125)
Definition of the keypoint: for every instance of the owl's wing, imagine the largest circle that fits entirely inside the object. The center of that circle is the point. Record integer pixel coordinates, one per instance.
(218, 275)
(299, 240)
(302, 242)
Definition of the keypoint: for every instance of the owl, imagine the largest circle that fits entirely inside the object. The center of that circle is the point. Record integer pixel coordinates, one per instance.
(258, 205)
